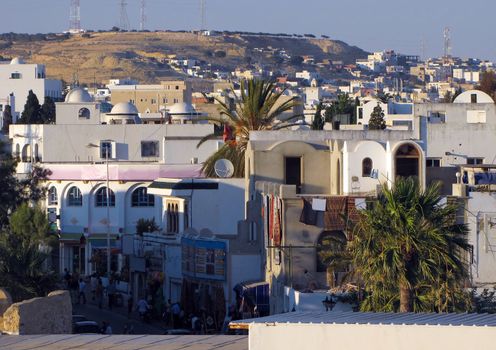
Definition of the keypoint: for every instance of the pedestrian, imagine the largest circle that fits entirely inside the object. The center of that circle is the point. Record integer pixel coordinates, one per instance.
(143, 309)
(130, 303)
(82, 287)
(67, 278)
(111, 294)
(99, 293)
(106, 328)
(176, 315)
(73, 289)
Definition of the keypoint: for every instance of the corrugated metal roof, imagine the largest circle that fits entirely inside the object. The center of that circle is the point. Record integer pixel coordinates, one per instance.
(124, 342)
(379, 318)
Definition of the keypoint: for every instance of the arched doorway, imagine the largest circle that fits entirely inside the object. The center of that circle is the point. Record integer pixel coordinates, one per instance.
(26, 153)
(407, 161)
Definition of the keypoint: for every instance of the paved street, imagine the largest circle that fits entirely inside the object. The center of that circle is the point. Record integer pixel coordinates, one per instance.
(118, 319)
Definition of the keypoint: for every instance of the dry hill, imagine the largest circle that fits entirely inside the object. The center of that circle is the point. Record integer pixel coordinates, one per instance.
(101, 56)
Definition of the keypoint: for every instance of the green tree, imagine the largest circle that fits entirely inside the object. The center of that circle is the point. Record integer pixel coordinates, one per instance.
(21, 272)
(257, 108)
(7, 118)
(296, 60)
(488, 83)
(448, 97)
(47, 112)
(457, 92)
(410, 253)
(32, 111)
(9, 186)
(376, 121)
(343, 105)
(30, 223)
(318, 120)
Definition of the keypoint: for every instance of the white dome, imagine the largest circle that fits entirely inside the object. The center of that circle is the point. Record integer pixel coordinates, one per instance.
(17, 60)
(124, 108)
(182, 108)
(480, 97)
(78, 95)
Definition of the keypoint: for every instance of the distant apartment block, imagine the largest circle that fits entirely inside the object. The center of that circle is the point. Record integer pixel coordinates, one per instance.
(152, 98)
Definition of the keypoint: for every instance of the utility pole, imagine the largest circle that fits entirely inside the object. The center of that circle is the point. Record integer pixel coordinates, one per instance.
(124, 19)
(143, 15)
(75, 17)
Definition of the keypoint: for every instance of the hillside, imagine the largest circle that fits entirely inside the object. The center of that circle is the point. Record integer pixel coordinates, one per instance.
(140, 55)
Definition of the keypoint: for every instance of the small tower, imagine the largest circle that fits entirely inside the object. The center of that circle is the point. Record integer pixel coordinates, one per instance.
(75, 17)
(124, 19)
(143, 15)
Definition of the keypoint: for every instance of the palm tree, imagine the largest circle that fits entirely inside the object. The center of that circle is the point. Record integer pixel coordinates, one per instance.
(257, 108)
(409, 252)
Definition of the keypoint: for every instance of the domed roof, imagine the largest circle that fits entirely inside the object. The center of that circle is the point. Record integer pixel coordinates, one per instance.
(182, 108)
(78, 95)
(17, 60)
(124, 108)
(466, 97)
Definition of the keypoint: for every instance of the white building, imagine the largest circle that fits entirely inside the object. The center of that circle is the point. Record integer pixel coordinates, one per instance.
(18, 77)
(209, 245)
(87, 149)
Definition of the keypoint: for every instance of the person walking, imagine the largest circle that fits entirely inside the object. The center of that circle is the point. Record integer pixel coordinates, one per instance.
(130, 303)
(99, 293)
(176, 315)
(82, 293)
(111, 289)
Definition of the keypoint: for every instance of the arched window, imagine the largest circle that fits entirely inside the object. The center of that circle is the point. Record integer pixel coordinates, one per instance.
(84, 113)
(172, 217)
(74, 197)
(101, 197)
(141, 198)
(367, 167)
(176, 218)
(169, 218)
(52, 196)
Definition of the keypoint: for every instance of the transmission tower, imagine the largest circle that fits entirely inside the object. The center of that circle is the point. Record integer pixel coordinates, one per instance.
(203, 14)
(124, 19)
(447, 42)
(75, 17)
(143, 15)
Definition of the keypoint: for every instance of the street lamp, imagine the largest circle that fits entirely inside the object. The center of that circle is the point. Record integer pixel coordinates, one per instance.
(107, 151)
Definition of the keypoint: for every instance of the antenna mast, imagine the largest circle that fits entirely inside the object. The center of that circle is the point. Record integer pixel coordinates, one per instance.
(124, 20)
(447, 42)
(75, 17)
(143, 15)
(203, 14)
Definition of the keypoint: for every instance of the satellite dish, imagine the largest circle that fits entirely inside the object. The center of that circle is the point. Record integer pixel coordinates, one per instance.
(224, 168)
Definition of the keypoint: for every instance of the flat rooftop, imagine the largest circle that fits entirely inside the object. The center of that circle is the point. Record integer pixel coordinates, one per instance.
(123, 342)
(376, 318)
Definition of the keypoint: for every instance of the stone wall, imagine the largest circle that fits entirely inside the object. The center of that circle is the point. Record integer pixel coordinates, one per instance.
(49, 315)
(5, 301)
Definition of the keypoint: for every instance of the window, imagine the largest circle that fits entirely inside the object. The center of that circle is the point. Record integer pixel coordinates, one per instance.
(176, 100)
(15, 76)
(74, 197)
(360, 113)
(433, 163)
(105, 149)
(293, 172)
(149, 149)
(186, 216)
(367, 167)
(153, 101)
(52, 196)
(473, 98)
(172, 217)
(84, 113)
(141, 198)
(101, 198)
(475, 161)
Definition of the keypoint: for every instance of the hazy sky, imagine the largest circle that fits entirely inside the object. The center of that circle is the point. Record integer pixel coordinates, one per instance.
(370, 24)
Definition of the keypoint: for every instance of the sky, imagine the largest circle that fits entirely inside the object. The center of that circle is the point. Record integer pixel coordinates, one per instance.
(373, 25)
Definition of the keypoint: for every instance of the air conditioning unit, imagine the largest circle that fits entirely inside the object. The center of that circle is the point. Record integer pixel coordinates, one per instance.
(194, 160)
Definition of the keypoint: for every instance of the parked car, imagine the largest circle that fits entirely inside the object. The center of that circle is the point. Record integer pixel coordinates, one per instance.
(83, 327)
(78, 318)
